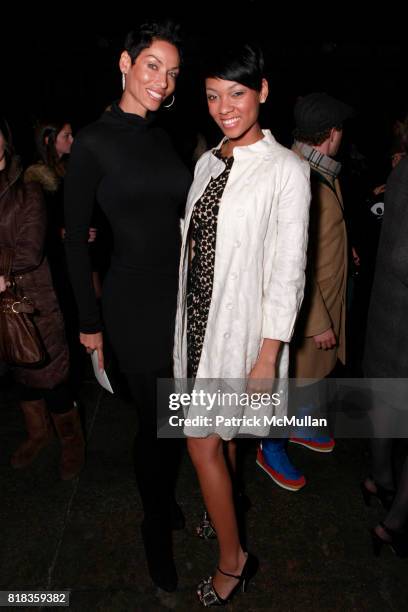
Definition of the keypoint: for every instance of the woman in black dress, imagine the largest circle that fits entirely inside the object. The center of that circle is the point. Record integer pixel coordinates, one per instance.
(130, 167)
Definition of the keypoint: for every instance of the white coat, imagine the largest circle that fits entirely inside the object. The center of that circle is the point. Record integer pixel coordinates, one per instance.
(260, 260)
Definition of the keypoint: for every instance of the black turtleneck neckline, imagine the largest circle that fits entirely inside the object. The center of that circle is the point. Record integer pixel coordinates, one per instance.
(130, 118)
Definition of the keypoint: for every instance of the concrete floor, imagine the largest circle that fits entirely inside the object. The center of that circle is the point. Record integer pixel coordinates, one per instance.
(313, 546)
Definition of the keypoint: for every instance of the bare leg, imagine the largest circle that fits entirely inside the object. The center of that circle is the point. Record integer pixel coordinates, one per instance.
(232, 456)
(207, 455)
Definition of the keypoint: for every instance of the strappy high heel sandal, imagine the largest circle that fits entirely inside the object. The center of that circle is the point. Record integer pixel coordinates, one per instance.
(398, 541)
(383, 495)
(207, 594)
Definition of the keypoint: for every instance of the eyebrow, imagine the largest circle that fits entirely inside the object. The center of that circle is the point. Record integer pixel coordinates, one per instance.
(160, 62)
(229, 88)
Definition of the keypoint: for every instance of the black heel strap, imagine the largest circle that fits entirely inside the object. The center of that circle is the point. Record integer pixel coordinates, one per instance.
(227, 574)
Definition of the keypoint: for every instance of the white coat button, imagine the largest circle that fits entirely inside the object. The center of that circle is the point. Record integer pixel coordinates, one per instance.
(227, 335)
(267, 157)
(234, 275)
(229, 305)
(237, 244)
(240, 212)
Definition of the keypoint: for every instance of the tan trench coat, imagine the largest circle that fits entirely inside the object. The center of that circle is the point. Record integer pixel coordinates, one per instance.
(326, 280)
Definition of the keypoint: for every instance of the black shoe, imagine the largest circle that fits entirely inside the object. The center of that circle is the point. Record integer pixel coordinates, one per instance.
(398, 541)
(207, 594)
(157, 540)
(383, 495)
(177, 520)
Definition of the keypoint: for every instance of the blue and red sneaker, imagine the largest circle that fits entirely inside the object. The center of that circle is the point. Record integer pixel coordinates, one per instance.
(320, 444)
(272, 458)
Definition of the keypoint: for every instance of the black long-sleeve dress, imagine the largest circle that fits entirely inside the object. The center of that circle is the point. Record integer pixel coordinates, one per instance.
(130, 167)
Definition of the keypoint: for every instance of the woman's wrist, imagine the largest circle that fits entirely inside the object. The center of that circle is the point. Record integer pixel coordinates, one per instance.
(269, 351)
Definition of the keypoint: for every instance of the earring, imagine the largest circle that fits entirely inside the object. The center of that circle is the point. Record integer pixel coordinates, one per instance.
(123, 80)
(171, 103)
(262, 101)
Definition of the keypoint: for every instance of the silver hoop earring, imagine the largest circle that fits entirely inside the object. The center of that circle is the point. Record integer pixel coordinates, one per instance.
(171, 103)
(123, 81)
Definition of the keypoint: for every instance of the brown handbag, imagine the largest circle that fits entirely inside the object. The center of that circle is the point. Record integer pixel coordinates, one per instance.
(20, 343)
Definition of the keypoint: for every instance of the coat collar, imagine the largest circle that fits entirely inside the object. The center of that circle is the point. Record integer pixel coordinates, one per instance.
(264, 147)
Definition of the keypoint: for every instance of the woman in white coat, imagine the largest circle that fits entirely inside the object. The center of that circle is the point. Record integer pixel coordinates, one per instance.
(241, 280)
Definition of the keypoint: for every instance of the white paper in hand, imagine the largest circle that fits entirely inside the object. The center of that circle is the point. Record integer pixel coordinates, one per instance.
(100, 375)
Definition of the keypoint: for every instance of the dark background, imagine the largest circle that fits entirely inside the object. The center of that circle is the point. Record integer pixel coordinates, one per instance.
(58, 65)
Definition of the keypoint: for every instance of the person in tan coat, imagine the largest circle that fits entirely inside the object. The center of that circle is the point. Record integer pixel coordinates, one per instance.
(319, 339)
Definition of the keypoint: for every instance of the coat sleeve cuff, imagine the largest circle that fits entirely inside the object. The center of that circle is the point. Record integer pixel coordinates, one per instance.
(282, 331)
(89, 327)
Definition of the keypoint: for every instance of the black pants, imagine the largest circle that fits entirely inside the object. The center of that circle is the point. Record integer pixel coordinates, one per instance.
(59, 399)
(156, 460)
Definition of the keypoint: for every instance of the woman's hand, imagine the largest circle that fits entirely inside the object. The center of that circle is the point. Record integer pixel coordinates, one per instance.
(93, 342)
(3, 284)
(262, 375)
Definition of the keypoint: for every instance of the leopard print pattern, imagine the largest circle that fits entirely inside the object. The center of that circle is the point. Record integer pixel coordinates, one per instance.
(203, 232)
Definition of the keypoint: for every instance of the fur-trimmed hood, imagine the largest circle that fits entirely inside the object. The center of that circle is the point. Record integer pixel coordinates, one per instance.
(43, 174)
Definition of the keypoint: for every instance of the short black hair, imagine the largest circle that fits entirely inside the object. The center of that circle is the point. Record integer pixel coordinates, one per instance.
(143, 36)
(240, 62)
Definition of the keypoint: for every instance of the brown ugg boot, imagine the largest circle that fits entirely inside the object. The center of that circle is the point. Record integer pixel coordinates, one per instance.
(69, 430)
(39, 430)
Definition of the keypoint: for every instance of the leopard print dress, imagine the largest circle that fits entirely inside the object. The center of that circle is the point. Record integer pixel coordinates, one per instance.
(203, 233)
